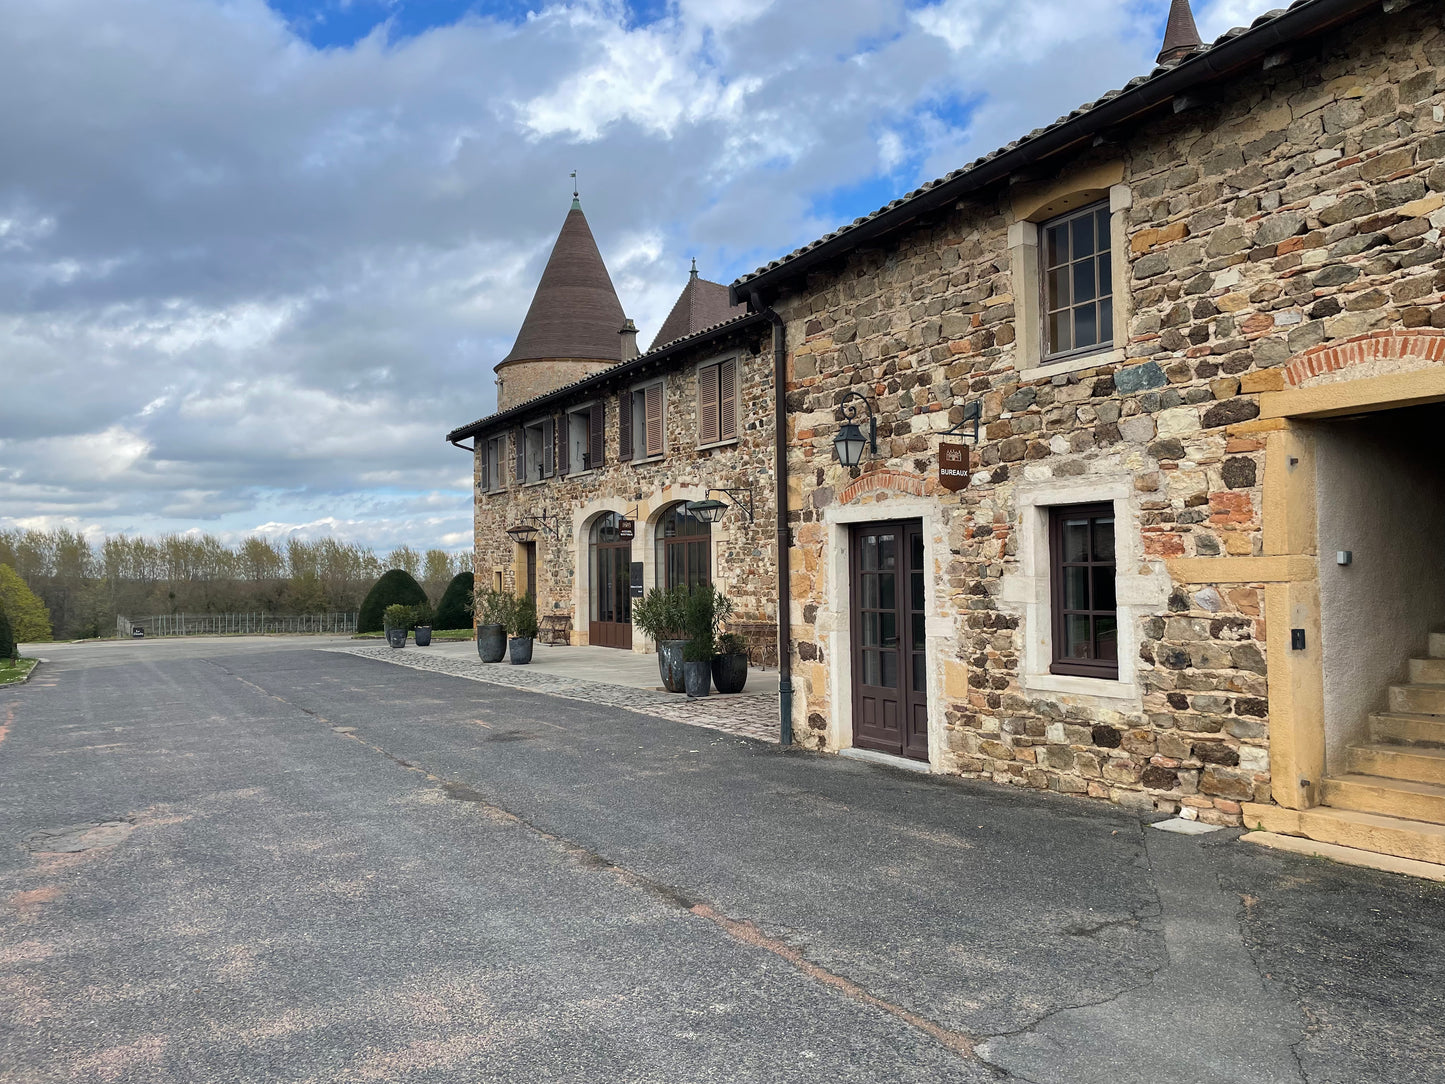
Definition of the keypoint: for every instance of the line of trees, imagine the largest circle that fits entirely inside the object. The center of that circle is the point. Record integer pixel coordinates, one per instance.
(85, 584)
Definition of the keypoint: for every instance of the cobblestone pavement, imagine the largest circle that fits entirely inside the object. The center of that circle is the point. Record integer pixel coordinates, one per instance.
(744, 715)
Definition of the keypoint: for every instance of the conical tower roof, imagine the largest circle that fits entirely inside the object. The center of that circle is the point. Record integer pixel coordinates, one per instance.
(1181, 36)
(700, 305)
(575, 312)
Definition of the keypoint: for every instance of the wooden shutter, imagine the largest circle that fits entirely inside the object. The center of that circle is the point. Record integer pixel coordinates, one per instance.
(564, 443)
(549, 448)
(597, 457)
(652, 410)
(519, 445)
(707, 405)
(624, 427)
(484, 477)
(727, 399)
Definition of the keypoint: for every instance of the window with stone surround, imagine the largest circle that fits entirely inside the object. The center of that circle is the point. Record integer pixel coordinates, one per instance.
(538, 453)
(1083, 574)
(1077, 282)
(717, 402)
(640, 422)
(489, 472)
(574, 453)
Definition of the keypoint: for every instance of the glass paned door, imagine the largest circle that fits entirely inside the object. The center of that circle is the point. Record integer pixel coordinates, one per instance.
(890, 666)
(611, 561)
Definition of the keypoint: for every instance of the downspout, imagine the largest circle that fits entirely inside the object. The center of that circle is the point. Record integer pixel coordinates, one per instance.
(780, 478)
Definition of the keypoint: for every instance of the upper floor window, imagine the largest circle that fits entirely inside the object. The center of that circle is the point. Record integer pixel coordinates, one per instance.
(1085, 602)
(1078, 291)
(489, 471)
(717, 401)
(535, 452)
(574, 441)
(639, 422)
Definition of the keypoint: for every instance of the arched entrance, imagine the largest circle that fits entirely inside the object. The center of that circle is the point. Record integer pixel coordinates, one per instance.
(611, 565)
(684, 549)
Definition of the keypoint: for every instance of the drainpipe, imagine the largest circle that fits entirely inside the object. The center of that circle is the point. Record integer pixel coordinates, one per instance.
(780, 477)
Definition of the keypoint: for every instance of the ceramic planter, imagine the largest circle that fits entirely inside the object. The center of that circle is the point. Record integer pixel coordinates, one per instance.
(697, 677)
(730, 672)
(669, 665)
(519, 649)
(491, 642)
(423, 635)
(396, 637)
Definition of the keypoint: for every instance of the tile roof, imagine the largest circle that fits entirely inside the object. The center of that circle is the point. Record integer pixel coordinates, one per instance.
(653, 357)
(575, 312)
(1226, 55)
(701, 304)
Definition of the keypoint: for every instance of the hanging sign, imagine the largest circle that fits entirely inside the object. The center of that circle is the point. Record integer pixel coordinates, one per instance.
(626, 530)
(953, 470)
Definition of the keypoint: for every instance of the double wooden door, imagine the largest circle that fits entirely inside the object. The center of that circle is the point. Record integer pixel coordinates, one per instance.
(890, 665)
(611, 623)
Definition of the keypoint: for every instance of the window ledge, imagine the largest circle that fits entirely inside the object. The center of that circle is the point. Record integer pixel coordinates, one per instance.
(1070, 685)
(1075, 364)
(648, 460)
(578, 473)
(720, 444)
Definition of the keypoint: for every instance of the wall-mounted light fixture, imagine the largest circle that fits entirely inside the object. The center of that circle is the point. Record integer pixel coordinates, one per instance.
(526, 529)
(968, 427)
(849, 442)
(712, 510)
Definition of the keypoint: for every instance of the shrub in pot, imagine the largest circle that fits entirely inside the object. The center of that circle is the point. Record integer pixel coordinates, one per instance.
(493, 610)
(706, 609)
(697, 667)
(730, 664)
(421, 616)
(396, 618)
(662, 617)
(522, 624)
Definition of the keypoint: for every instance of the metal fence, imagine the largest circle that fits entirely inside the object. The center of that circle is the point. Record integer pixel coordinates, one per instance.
(235, 624)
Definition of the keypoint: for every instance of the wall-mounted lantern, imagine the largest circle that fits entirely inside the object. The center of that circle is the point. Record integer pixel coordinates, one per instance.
(526, 529)
(712, 510)
(849, 442)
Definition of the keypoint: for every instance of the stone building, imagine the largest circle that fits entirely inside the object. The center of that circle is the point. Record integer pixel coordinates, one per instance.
(584, 475)
(1197, 564)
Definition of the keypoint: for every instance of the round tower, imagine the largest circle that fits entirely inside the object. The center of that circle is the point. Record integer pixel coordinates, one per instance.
(575, 325)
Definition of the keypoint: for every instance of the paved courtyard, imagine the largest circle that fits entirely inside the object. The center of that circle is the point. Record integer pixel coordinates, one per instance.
(263, 860)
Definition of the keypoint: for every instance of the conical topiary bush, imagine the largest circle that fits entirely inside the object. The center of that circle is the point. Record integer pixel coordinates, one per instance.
(454, 611)
(395, 588)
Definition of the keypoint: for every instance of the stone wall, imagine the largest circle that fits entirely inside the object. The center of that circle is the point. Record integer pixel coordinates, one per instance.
(521, 380)
(1295, 214)
(744, 553)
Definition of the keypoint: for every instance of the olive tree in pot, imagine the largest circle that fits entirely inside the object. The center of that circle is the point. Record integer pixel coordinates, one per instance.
(707, 608)
(730, 664)
(662, 617)
(421, 615)
(522, 624)
(396, 618)
(492, 609)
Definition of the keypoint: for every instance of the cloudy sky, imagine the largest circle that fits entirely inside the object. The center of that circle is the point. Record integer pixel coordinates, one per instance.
(256, 259)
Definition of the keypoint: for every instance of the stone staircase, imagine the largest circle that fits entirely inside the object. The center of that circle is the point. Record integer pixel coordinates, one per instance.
(1391, 799)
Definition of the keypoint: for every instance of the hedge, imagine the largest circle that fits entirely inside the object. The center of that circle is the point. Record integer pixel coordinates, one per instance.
(454, 611)
(395, 587)
(7, 639)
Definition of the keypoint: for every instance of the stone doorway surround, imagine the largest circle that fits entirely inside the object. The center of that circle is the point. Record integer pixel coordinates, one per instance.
(834, 620)
(1377, 372)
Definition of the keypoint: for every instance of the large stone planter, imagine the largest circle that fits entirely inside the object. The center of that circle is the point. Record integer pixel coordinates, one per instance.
(697, 677)
(519, 649)
(423, 635)
(396, 637)
(669, 665)
(730, 672)
(491, 642)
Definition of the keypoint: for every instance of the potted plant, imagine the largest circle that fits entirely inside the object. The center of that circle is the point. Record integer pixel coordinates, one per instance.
(522, 624)
(706, 609)
(493, 610)
(395, 619)
(662, 616)
(421, 623)
(730, 664)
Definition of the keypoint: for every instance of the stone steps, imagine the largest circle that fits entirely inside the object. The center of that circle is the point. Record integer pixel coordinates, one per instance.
(1427, 671)
(1418, 699)
(1348, 828)
(1399, 798)
(1390, 761)
(1402, 728)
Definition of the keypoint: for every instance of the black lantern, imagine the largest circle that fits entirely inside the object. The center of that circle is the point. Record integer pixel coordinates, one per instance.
(850, 441)
(709, 511)
(523, 532)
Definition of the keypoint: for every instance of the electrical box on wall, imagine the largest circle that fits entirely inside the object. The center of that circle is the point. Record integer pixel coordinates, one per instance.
(1344, 557)
(1297, 639)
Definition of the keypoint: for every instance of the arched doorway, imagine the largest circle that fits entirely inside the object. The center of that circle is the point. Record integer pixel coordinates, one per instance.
(684, 549)
(611, 564)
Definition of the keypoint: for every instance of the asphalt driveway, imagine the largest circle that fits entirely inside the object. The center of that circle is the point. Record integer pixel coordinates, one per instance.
(257, 861)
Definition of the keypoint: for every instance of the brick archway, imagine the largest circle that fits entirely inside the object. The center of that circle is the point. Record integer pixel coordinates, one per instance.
(895, 481)
(1423, 345)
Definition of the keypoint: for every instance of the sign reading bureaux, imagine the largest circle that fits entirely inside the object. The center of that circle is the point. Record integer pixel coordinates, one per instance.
(953, 466)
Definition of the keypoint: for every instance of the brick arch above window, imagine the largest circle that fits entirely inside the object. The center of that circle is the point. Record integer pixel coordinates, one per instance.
(1408, 349)
(895, 481)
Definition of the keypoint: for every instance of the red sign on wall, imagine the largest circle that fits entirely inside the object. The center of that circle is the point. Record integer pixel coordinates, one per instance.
(953, 466)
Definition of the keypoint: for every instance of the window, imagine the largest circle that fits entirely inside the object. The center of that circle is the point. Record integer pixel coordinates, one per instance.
(574, 444)
(684, 545)
(489, 473)
(1078, 290)
(536, 458)
(717, 402)
(639, 423)
(1082, 575)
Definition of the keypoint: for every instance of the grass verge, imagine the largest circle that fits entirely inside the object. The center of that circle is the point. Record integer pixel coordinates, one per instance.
(13, 674)
(440, 635)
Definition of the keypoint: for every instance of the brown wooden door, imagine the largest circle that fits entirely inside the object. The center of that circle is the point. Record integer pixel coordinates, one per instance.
(890, 666)
(611, 556)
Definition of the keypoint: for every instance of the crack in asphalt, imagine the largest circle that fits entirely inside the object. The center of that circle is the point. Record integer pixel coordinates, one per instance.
(742, 931)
